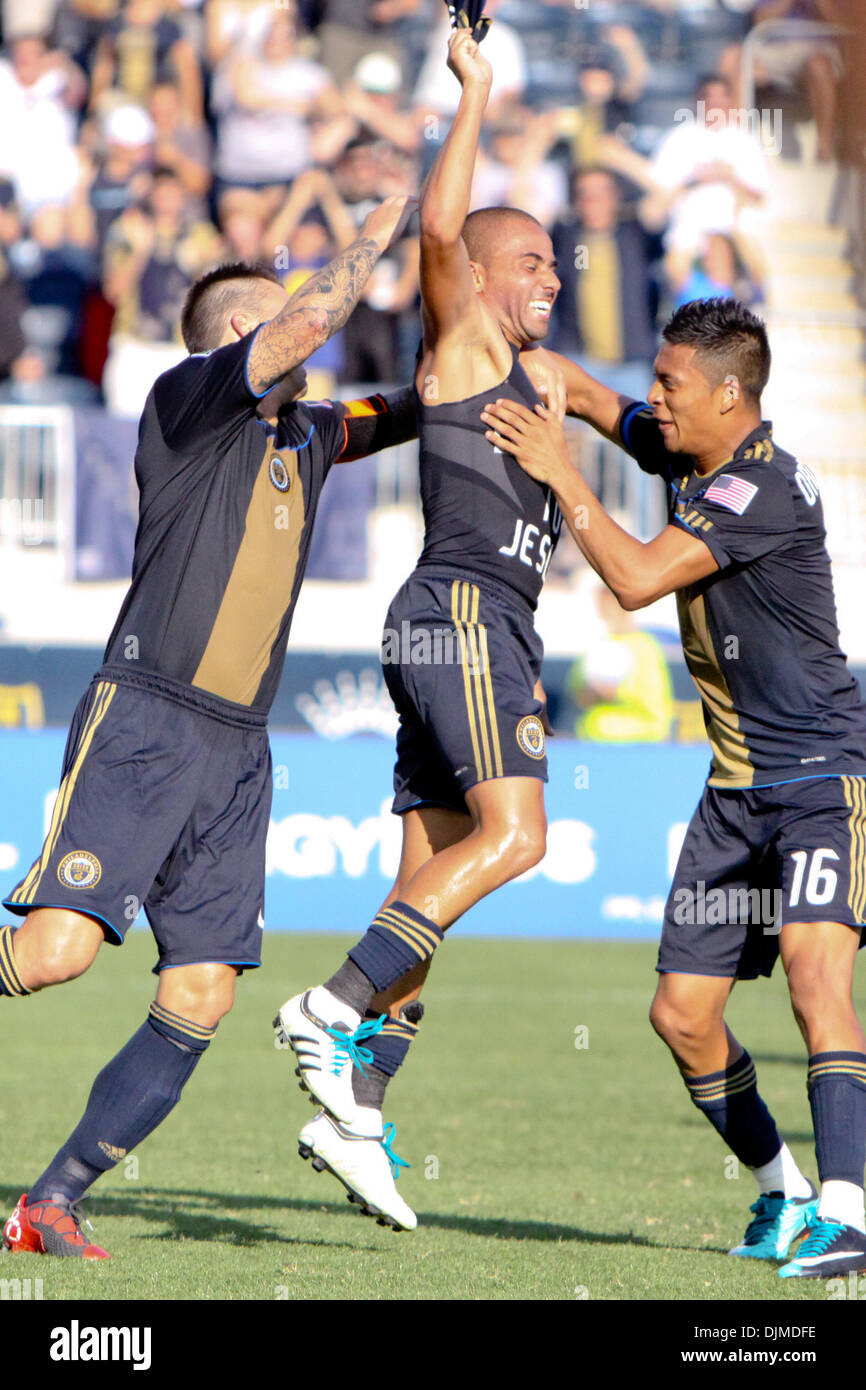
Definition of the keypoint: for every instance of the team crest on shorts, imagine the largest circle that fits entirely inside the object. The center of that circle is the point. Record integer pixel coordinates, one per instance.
(279, 473)
(530, 736)
(80, 869)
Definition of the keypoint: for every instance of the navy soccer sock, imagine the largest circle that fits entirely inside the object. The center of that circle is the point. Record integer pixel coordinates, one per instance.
(837, 1096)
(130, 1097)
(731, 1103)
(397, 939)
(10, 980)
(389, 1049)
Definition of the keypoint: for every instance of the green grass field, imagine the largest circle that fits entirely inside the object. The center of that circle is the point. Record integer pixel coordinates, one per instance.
(563, 1172)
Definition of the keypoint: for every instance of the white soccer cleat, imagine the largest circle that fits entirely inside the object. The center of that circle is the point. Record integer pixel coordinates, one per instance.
(361, 1158)
(326, 1036)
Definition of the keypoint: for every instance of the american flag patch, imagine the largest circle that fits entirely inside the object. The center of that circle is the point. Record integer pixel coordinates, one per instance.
(730, 492)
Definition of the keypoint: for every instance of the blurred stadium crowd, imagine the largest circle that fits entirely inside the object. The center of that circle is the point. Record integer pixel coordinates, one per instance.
(143, 140)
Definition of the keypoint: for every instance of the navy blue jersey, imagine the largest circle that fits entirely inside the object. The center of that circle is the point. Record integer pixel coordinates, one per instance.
(227, 507)
(759, 636)
(482, 512)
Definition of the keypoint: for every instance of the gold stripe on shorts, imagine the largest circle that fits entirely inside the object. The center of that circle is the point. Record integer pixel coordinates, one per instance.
(477, 682)
(458, 620)
(855, 796)
(105, 692)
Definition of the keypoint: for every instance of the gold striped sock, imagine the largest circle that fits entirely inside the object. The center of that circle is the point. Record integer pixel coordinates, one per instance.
(183, 1025)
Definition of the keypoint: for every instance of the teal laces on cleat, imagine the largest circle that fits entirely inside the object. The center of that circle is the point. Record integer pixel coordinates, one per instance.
(822, 1235)
(347, 1046)
(829, 1248)
(395, 1160)
(766, 1209)
(777, 1222)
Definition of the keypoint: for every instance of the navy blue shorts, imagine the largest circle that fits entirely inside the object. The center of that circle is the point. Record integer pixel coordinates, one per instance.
(756, 859)
(461, 660)
(164, 804)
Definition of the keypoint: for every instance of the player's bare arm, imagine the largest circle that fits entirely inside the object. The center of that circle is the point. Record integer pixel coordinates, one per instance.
(322, 305)
(637, 572)
(454, 319)
(586, 398)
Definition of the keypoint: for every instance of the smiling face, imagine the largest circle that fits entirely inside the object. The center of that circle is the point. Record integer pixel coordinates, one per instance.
(518, 281)
(690, 411)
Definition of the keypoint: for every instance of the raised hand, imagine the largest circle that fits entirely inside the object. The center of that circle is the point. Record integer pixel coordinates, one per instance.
(386, 224)
(466, 62)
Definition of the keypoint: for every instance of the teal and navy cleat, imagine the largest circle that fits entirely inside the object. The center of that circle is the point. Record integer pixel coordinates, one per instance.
(830, 1248)
(777, 1222)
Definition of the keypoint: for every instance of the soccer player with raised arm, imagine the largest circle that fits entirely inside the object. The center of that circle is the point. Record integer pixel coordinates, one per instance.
(774, 859)
(471, 765)
(166, 783)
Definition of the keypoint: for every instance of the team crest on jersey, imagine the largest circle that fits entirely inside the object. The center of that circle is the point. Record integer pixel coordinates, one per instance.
(279, 473)
(80, 869)
(530, 736)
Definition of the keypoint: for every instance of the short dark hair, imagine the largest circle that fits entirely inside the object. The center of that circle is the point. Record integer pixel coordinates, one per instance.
(728, 340)
(215, 296)
(481, 229)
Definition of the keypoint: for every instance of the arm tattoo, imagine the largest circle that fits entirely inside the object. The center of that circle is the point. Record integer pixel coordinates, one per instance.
(317, 311)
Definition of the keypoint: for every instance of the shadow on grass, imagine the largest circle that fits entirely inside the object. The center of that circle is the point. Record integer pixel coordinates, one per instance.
(193, 1214)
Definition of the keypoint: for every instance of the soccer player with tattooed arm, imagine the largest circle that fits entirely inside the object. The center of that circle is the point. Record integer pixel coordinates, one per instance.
(784, 808)
(166, 784)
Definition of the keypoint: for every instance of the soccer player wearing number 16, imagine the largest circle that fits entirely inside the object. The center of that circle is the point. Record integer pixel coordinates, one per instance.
(784, 809)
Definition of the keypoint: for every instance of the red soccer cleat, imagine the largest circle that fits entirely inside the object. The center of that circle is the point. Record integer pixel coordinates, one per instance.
(51, 1227)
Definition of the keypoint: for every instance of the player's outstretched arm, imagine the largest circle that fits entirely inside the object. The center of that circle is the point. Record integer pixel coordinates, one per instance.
(447, 288)
(637, 572)
(322, 305)
(585, 396)
(378, 422)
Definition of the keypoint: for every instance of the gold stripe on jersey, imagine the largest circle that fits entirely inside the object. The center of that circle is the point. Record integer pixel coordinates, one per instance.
(732, 766)
(8, 969)
(855, 797)
(477, 682)
(105, 692)
(260, 586)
